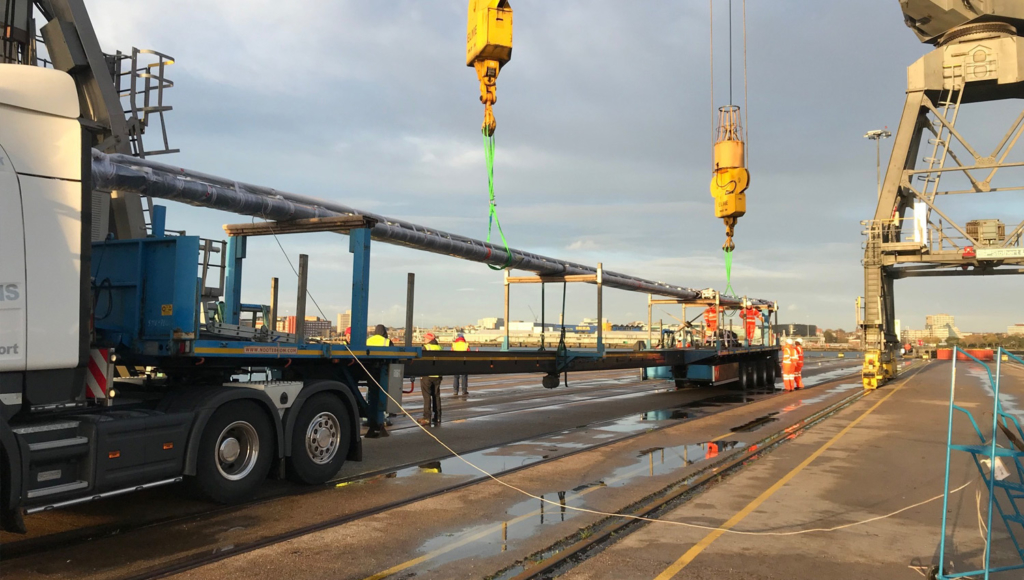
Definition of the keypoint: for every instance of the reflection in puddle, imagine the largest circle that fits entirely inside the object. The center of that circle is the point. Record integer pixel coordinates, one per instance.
(757, 423)
(699, 408)
(526, 518)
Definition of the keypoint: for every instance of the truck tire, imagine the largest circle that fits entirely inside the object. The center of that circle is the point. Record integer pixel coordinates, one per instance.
(744, 376)
(761, 373)
(235, 452)
(770, 374)
(320, 440)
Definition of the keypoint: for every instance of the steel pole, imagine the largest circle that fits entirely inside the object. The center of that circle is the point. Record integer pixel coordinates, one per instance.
(300, 299)
(878, 165)
(273, 306)
(410, 290)
(124, 173)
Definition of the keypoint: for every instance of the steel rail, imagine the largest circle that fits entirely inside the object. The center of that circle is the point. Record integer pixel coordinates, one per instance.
(124, 173)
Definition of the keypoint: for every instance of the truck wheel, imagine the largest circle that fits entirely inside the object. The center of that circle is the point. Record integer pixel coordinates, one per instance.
(770, 373)
(235, 452)
(762, 374)
(320, 440)
(744, 376)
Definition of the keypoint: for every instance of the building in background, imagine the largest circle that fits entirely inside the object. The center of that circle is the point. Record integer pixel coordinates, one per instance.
(490, 323)
(943, 325)
(801, 330)
(314, 327)
(1015, 330)
(937, 328)
(344, 321)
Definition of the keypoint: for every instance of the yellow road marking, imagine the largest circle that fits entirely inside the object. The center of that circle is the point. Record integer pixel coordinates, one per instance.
(497, 528)
(693, 552)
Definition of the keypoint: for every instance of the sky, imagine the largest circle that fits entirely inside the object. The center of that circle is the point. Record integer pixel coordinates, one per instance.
(603, 146)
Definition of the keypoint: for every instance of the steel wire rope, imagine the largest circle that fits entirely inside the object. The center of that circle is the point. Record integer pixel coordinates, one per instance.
(542, 499)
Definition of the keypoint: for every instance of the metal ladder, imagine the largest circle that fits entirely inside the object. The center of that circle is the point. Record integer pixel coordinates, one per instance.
(950, 112)
(1003, 476)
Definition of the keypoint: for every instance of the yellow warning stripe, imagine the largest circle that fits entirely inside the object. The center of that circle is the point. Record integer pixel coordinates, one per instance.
(700, 546)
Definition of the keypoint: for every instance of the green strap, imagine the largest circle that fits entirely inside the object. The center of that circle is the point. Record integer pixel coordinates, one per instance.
(492, 216)
(728, 274)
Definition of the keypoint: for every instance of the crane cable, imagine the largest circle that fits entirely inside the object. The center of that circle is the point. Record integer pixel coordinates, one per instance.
(714, 124)
(492, 215)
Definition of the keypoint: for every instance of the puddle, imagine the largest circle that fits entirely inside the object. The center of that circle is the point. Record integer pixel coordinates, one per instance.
(698, 408)
(757, 423)
(1007, 401)
(527, 518)
(825, 395)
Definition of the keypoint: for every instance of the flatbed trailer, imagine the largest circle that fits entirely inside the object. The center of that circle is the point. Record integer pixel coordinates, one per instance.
(125, 363)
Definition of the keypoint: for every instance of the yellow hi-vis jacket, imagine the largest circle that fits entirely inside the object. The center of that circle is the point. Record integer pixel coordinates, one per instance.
(460, 346)
(429, 346)
(378, 340)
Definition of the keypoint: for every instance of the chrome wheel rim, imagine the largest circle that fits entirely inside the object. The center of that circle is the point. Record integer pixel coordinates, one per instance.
(323, 437)
(238, 447)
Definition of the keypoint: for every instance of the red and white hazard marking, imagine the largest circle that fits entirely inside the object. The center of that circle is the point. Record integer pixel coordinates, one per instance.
(99, 374)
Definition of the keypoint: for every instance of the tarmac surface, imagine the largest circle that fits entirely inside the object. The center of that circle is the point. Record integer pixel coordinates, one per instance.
(602, 445)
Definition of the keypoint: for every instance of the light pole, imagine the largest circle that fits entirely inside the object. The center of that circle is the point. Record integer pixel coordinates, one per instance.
(877, 135)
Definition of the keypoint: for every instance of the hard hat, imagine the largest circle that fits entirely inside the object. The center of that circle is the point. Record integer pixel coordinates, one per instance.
(428, 337)
(799, 341)
(789, 341)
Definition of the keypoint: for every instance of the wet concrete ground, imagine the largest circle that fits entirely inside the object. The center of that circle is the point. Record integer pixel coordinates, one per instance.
(895, 457)
(540, 434)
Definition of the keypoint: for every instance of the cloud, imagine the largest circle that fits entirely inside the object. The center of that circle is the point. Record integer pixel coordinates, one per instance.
(603, 144)
(582, 245)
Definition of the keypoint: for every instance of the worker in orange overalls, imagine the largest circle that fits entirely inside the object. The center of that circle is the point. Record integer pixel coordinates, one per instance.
(750, 316)
(710, 323)
(788, 356)
(712, 450)
(798, 364)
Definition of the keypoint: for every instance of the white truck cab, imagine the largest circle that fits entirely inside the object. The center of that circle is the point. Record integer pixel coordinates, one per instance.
(44, 247)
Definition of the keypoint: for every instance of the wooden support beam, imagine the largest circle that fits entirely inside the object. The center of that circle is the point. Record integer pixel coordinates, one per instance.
(589, 278)
(342, 224)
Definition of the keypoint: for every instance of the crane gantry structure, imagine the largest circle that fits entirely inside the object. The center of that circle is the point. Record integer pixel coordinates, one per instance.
(978, 59)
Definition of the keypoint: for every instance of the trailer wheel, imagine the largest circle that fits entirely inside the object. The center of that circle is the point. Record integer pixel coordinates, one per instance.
(762, 374)
(235, 452)
(744, 376)
(770, 373)
(320, 441)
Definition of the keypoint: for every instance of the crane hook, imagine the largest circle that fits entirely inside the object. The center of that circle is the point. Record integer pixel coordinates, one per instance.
(730, 231)
(487, 72)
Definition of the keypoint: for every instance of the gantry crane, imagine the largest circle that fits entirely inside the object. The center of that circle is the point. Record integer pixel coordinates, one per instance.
(976, 60)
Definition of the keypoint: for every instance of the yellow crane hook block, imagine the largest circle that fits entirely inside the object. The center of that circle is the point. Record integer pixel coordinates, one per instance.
(731, 178)
(488, 48)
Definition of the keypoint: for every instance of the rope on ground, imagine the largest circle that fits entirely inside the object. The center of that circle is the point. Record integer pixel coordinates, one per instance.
(523, 492)
(492, 215)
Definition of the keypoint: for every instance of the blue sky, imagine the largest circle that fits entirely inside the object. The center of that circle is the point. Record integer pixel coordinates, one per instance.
(604, 140)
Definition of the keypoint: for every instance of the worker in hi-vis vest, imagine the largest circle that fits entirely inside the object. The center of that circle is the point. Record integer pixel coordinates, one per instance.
(460, 345)
(788, 357)
(710, 323)
(380, 337)
(750, 317)
(798, 364)
(430, 388)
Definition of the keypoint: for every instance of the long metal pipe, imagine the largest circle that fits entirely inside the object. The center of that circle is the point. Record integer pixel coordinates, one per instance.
(124, 173)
